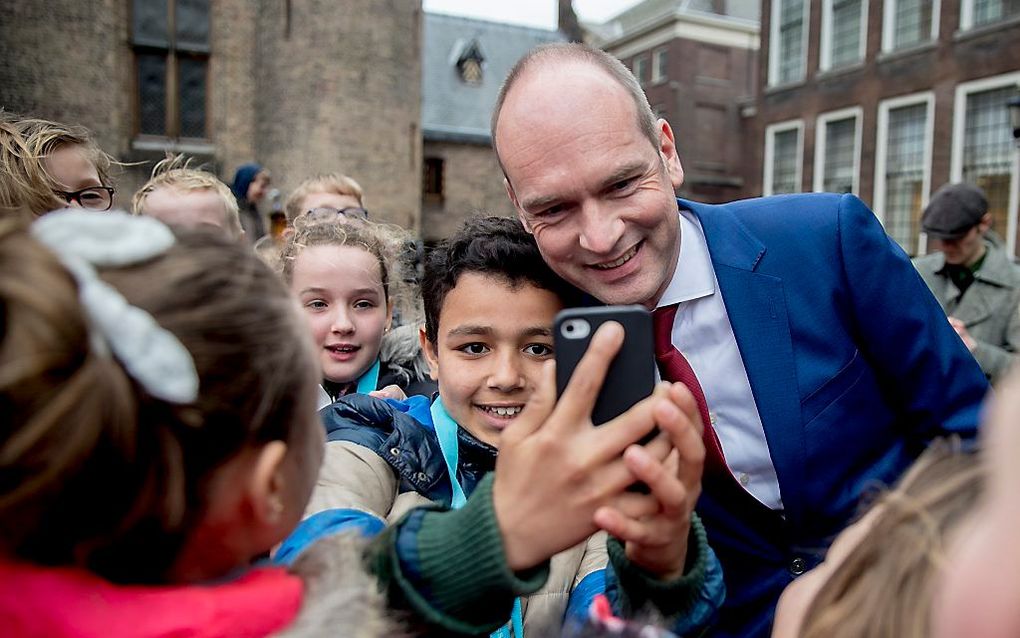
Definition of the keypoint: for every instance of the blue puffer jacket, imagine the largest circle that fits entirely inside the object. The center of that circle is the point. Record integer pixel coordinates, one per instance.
(399, 436)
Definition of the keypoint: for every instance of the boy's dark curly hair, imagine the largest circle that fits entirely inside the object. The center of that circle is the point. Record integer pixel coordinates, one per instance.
(494, 246)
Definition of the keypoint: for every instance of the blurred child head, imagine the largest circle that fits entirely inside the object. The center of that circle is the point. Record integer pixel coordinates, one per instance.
(77, 170)
(880, 575)
(490, 301)
(251, 183)
(96, 472)
(179, 195)
(25, 190)
(332, 190)
(342, 274)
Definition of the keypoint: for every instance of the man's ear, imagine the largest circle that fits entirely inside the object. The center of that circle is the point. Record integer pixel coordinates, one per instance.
(985, 223)
(430, 353)
(517, 205)
(670, 156)
(266, 485)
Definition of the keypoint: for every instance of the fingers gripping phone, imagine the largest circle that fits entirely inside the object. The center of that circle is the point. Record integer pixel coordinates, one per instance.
(631, 375)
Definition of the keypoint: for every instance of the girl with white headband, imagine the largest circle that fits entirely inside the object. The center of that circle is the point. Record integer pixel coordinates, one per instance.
(159, 433)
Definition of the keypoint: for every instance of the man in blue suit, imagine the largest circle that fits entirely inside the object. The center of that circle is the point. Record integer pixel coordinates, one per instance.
(821, 363)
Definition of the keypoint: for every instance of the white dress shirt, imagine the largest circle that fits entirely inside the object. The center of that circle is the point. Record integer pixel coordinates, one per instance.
(703, 334)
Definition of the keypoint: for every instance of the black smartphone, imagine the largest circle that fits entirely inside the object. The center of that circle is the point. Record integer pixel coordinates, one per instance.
(631, 375)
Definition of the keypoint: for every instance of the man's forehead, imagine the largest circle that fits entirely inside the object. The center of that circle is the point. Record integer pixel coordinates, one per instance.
(550, 87)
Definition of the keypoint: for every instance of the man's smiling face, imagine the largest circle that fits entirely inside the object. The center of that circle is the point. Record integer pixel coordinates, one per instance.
(588, 183)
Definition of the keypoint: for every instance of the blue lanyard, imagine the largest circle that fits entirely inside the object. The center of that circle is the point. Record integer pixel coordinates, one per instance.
(368, 381)
(446, 432)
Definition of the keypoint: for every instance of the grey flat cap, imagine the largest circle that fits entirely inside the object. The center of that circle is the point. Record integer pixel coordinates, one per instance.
(953, 210)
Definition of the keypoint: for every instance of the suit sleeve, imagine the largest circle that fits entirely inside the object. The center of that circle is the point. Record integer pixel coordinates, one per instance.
(902, 331)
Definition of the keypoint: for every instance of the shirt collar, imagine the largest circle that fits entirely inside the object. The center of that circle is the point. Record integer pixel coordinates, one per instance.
(694, 276)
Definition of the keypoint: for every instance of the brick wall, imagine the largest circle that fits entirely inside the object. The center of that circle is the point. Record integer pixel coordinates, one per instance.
(339, 89)
(473, 184)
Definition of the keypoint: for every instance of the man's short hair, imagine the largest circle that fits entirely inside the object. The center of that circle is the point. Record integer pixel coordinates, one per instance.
(328, 183)
(497, 247)
(175, 172)
(559, 52)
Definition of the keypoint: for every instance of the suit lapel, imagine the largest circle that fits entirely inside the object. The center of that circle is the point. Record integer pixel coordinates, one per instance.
(756, 305)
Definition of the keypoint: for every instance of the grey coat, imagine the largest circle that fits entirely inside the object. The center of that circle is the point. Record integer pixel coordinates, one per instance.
(990, 309)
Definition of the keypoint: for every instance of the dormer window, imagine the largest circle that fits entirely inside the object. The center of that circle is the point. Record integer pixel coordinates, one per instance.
(469, 63)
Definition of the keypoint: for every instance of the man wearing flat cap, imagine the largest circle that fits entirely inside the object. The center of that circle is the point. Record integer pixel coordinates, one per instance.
(972, 276)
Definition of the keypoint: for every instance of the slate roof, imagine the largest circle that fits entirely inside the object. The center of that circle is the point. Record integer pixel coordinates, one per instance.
(453, 110)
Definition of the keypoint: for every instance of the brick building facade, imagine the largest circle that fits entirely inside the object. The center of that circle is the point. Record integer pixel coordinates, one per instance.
(889, 99)
(302, 86)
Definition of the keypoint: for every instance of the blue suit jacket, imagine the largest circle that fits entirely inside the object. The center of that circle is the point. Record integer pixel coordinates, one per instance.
(853, 367)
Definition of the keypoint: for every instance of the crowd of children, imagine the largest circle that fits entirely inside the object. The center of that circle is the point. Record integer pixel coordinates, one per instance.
(199, 441)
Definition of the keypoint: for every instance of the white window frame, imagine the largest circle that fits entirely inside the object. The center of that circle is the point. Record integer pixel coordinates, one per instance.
(770, 141)
(657, 74)
(882, 145)
(963, 90)
(825, 55)
(774, 41)
(821, 128)
(889, 24)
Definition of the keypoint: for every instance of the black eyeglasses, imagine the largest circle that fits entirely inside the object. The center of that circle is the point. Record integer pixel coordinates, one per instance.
(92, 198)
(328, 212)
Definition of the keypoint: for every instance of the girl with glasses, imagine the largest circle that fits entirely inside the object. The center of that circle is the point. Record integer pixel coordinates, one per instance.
(76, 170)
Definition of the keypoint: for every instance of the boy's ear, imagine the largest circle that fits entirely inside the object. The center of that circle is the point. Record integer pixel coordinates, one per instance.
(266, 484)
(430, 353)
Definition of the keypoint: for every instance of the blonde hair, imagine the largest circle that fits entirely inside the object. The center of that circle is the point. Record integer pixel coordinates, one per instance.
(385, 242)
(886, 584)
(25, 188)
(43, 137)
(96, 473)
(175, 172)
(328, 183)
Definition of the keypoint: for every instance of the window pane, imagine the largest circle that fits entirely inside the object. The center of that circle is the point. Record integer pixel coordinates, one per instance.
(986, 11)
(840, 140)
(784, 162)
(149, 23)
(192, 24)
(913, 22)
(988, 149)
(846, 32)
(152, 93)
(791, 38)
(904, 175)
(659, 65)
(192, 86)
(641, 69)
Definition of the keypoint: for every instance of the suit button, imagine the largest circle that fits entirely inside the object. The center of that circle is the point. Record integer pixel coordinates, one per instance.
(797, 566)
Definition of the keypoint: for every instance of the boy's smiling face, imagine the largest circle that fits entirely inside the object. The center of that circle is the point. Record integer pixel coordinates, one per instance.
(493, 340)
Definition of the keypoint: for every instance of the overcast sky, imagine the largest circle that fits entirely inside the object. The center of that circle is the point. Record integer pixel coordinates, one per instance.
(532, 13)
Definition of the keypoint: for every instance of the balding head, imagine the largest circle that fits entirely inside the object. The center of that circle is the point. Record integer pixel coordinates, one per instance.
(553, 56)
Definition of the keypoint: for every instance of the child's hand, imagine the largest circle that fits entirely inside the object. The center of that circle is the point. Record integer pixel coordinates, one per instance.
(658, 542)
(389, 392)
(555, 469)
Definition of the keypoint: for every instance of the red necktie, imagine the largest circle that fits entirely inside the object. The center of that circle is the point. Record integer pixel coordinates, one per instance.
(673, 366)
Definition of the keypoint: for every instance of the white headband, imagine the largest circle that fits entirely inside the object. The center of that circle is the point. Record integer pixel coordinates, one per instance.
(83, 240)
